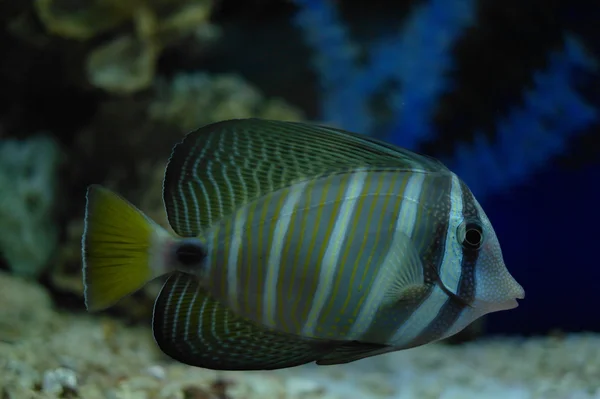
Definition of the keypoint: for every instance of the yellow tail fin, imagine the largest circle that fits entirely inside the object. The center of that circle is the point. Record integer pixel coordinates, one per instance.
(116, 248)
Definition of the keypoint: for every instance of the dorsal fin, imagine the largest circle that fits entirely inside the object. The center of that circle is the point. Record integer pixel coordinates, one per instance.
(224, 165)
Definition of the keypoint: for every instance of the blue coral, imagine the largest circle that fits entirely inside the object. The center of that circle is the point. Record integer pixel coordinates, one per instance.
(418, 58)
(422, 62)
(530, 135)
(340, 79)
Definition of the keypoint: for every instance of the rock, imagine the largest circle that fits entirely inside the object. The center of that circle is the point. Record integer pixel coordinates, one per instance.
(67, 355)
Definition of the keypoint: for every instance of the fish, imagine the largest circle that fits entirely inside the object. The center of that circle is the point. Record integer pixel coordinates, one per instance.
(294, 243)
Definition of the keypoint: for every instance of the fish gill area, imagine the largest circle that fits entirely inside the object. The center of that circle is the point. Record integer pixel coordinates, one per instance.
(99, 91)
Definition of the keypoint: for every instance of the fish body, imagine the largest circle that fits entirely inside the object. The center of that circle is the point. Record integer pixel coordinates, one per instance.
(296, 243)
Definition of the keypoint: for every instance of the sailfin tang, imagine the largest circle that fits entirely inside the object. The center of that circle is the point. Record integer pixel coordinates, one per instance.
(221, 166)
(116, 248)
(194, 328)
(353, 351)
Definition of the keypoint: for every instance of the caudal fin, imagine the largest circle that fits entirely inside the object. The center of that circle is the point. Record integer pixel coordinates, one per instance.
(117, 246)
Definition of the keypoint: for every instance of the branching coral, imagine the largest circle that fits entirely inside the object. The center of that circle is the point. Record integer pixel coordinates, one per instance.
(83, 20)
(536, 131)
(418, 59)
(189, 101)
(126, 63)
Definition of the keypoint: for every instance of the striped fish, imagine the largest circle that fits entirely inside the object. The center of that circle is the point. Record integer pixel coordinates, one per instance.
(295, 243)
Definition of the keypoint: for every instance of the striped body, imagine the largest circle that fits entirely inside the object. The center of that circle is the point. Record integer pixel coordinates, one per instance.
(307, 259)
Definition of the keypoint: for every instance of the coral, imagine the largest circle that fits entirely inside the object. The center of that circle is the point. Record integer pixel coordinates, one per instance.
(418, 59)
(124, 65)
(334, 61)
(424, 48)
(57, 354)
(28, 178)
(552, 112)
(127, 62)
(196, 99)
(82, 21)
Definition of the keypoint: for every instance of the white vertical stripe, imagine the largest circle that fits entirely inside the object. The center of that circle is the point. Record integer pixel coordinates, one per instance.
(201, 323)
(174, 337)
(208, 174)
(178, 190)
(405, 224)
(274, 263)
(200, 157)
(188, 318)
(450, 272)
(188, 214)
(422, 317)
(232, 264)
(165, 311)
(213, 324)
(334, 247)
(176, 221)
(225, 173)
(206, 202)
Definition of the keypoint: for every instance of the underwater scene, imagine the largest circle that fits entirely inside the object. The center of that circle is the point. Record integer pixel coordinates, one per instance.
(299, 199)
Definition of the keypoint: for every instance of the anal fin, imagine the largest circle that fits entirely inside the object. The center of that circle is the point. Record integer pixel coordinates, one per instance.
(194, 328)
(353, 351)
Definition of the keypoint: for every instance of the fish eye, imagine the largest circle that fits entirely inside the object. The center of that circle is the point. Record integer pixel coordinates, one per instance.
(473, 236)
(189, 254)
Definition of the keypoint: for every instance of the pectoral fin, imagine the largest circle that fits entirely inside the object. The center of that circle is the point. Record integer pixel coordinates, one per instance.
(404, 271)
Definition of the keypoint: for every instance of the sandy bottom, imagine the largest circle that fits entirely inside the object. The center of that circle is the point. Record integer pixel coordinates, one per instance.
(49, 354)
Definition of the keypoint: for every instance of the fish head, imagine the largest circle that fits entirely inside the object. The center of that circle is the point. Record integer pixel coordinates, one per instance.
(493, 288)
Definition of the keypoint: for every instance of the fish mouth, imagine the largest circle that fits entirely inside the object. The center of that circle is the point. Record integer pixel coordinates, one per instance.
(489, 307)
(521, 294)
(510, 304)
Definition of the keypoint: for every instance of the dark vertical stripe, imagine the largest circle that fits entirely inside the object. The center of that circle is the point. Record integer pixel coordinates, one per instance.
(452, 309)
